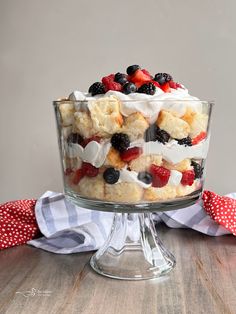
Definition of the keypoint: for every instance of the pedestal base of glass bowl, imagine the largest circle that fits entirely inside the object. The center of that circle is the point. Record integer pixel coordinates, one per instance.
(133, 250)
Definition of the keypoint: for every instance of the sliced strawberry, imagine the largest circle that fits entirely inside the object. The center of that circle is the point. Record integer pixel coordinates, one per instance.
(90, 139)
(156, 83)
(166, 87)
(147, 73)
(173, 84)
(131, 153)
(89, 170)
(139, 76)
(197, 139)
(78, 175)
(188, 177)
(160, 176)
(178, 85)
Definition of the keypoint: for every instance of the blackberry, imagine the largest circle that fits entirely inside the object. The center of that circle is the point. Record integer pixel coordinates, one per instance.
(111, 176)
(132, 69)
(74, 138)
(162, 78)
(198, 170)
(150, 133)
(147, 88)
(185, 141)
(162, 136)
(145, 177)
(120, 78)
(120, 141)
(129, 88)
(97, 88)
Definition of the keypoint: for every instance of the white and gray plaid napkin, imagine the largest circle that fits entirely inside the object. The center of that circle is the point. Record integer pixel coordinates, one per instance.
(70, 229)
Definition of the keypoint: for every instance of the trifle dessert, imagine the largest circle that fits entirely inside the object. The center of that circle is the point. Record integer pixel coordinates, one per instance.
(133, 137)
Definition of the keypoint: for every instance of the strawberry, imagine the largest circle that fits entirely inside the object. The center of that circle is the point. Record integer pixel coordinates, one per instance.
(131, 153)
(139, 77)
(173, 84)
(89, 170)
(188, 177)
(156, 83)
(110, 84)
(90, 139)
(166, 87)
(201, 136)
(78, 175)
(147, 73)
(160, 176)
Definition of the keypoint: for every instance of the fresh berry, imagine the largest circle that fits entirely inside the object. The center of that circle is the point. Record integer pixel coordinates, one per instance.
(150, 133)
(162, 78)
(97, 88)
(139, 77)
(132, 69)
(78, 175)
(108, 78)
(111, 175)
(129, 88)
(198, 170)
(173, 84)
(74, 138)
(187, 141)
(148, 88)
(110, 84)
(120, 141)
(162, 136)
(145, 177)
(160, 176)
(188, 177)
(68, 171)
(90, 139)
(166, 87)
(131, 153)
(147, 73)
(155, 83)
(120, 78)
(197, 139)
(89, 170)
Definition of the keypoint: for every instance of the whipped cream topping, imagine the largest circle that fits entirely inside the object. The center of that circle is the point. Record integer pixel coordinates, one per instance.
(175, 178)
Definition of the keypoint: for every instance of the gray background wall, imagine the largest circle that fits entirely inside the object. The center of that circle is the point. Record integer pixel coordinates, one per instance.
(49, 48)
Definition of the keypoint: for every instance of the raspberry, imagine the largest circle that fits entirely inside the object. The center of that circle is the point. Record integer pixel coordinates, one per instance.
(97, 88)
(197, 139)
(173, 84)
(120, 141)
(78, 175)
(110, 84)
(160, 176)
(148, 88)
(89, 170)
(131, 153)
(188, 177)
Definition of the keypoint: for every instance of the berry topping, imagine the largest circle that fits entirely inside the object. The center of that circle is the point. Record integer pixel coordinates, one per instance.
(197, 139)
(97, 88)
(131, 153)
(145, 177)
(89, 170)
(120, 141)
(162, 78)
(147, 73)
(111, 175)
(166, 87)
(90, 139)
(139, 77)
(188, 177)
(132, 69)
(74, 138)
(160, 176)
(173, 84)
(156, 83)
(185, 141)
(148, 88)
(110, 84)
(198, 170)
(162, 136)
(78, 175)
(120, 78)
(129, 88)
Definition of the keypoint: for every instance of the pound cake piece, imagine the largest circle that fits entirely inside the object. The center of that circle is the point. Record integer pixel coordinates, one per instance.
(156, 194)
(123, 192)
(135, 126)
(84, 124)
(197, 122)
(92, 187)
(180, 166)
(67, 113)
(176, 127)
(143, 162)
(113, 159)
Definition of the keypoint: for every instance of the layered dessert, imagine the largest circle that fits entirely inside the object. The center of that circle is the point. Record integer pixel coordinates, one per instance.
(133, 137)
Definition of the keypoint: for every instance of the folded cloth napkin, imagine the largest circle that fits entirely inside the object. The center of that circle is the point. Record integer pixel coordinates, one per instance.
(67, 228)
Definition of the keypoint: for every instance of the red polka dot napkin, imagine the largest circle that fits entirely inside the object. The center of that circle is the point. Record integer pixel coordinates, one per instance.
(222, 209)
(17, 223)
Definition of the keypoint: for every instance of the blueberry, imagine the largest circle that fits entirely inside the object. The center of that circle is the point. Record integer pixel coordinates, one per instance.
(111, 176)
(145, 177)
(163, 78)
(120, 78)
(129, 88)
(132, 69)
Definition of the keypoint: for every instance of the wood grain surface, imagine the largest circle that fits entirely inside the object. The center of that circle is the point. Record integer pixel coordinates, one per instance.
(204, 281)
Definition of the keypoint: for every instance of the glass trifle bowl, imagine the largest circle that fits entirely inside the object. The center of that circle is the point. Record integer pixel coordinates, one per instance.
(133, 158)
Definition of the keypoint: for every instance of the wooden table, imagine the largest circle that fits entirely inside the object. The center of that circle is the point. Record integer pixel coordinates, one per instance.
(204, 281)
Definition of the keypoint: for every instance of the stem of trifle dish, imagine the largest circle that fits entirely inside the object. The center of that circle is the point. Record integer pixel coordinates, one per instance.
(133, 250)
